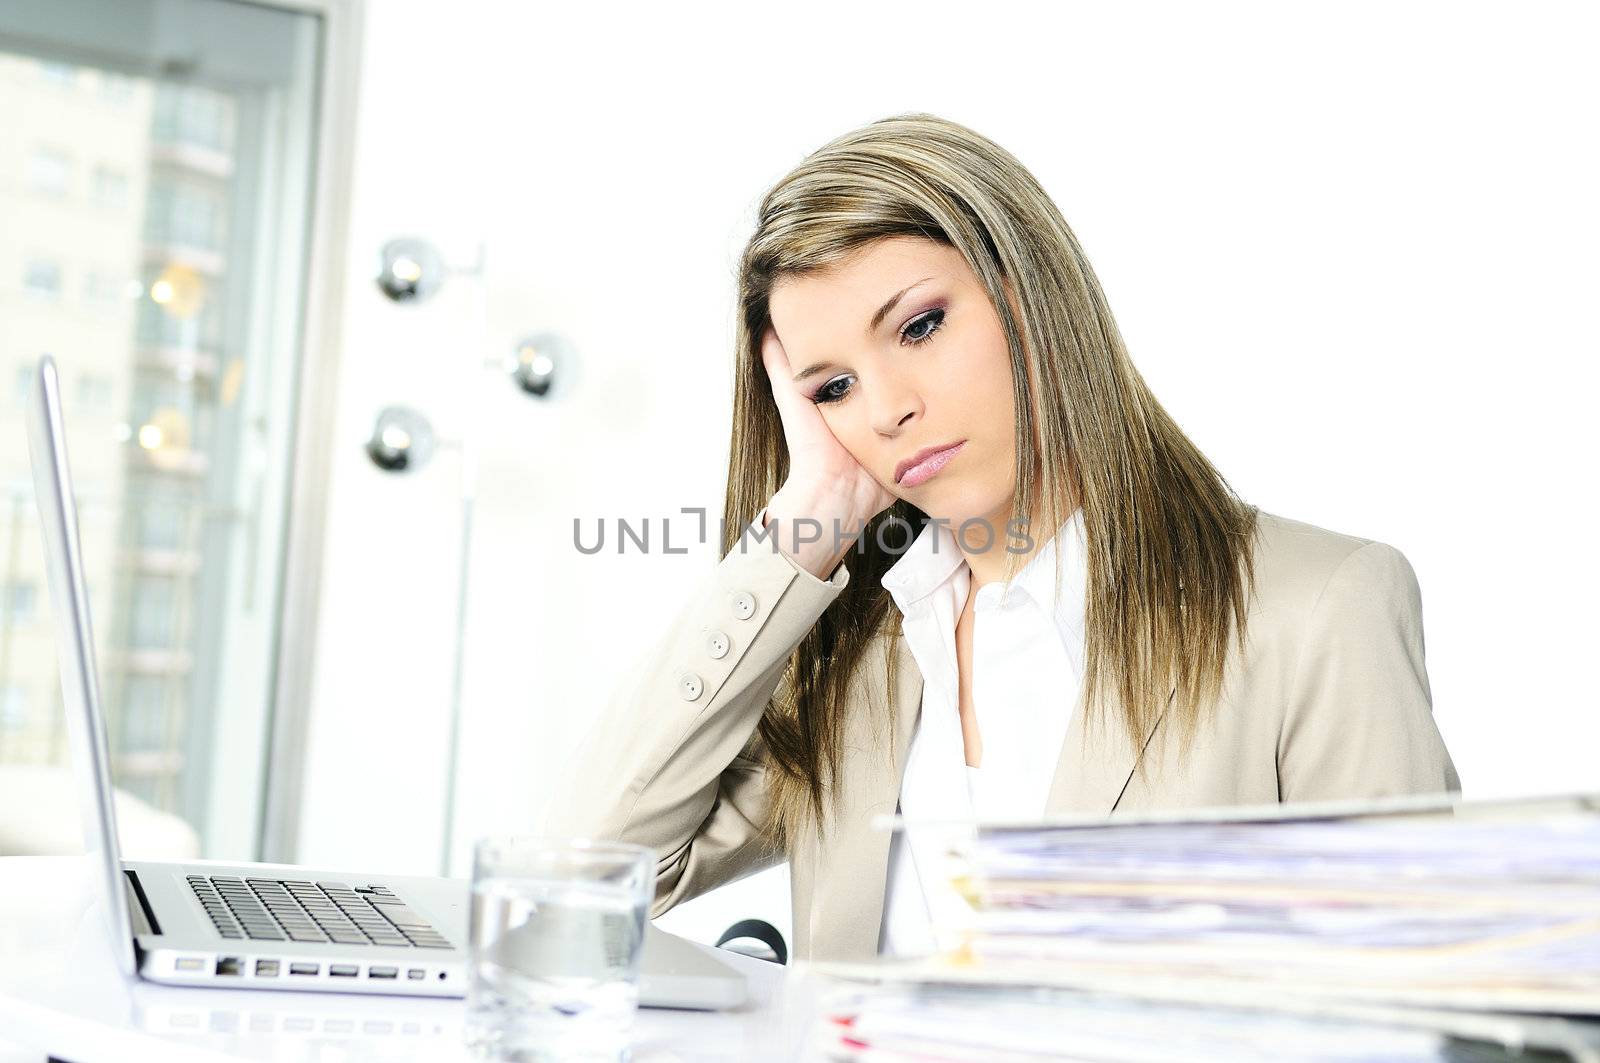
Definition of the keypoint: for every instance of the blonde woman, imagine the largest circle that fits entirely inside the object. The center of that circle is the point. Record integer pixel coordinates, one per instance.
(970, 566)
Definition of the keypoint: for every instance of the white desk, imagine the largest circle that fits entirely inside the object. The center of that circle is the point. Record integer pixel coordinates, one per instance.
(60, 994)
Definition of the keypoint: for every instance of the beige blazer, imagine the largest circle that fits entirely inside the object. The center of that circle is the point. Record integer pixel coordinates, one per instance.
(1328, 698)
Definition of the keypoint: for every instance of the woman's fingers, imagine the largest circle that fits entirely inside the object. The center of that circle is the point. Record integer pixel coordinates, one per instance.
(816, 457)
(803, 426)
(784, 391)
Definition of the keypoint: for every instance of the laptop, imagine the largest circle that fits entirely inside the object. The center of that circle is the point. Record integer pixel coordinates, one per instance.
(268, 926)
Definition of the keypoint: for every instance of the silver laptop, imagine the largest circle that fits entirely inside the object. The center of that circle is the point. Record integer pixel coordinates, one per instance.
(256, 927)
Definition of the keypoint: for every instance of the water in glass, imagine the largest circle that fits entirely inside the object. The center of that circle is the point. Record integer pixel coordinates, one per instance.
(555, 958)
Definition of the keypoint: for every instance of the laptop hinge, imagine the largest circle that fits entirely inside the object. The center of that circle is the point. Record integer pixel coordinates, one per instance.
(144, 920)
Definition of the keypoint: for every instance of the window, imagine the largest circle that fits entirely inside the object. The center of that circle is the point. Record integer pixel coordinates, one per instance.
(22, 384)
(160, 520)
(109, 188)
(115, 88)
(197, 192)
(177, 309)
(94, 392)
(194, 115)
(154, 611)
(49, 172)
(42, 277)
(184, 212)
(145, 715)
(13, 707)
(104, 289)
(59, 75)
(17, 603)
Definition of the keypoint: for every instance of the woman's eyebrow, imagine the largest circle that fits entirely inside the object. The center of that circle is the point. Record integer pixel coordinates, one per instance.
(872, 326)
(883, 311)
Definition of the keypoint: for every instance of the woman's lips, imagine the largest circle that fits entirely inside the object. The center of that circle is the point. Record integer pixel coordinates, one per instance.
(927, 467)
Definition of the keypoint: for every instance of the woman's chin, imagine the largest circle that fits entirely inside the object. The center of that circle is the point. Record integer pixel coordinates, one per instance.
(958, 505)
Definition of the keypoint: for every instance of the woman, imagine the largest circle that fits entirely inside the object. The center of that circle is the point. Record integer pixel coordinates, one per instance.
(1087, 617)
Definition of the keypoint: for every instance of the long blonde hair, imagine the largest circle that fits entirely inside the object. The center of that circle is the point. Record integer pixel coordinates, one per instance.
(1169, 542)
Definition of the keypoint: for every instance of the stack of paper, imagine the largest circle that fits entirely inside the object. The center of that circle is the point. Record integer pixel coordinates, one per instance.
(1476, 908)
(1416, 910)
(888, 1019)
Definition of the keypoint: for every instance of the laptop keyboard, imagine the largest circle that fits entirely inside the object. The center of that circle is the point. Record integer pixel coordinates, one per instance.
(268, 909)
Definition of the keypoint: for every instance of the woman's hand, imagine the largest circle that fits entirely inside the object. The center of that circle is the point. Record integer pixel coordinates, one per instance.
(825, 483)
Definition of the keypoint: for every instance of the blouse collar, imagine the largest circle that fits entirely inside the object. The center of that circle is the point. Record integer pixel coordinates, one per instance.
(934, 557)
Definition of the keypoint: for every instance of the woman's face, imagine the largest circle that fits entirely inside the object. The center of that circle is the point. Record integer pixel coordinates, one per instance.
(933, 370)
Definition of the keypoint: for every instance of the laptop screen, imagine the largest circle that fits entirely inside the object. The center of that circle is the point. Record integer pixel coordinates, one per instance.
(80, 684)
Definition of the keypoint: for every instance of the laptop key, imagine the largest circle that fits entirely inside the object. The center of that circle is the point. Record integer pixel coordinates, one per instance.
(401, 915)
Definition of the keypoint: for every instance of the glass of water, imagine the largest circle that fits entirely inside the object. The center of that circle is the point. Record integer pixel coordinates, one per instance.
(557, 931)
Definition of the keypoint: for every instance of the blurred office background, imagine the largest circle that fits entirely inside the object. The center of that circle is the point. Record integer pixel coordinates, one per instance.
(1351, 247)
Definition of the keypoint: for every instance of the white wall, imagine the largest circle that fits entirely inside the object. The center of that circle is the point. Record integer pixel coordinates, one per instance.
(1351, 247)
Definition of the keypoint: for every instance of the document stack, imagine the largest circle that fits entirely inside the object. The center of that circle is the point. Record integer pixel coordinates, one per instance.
(1401, 928)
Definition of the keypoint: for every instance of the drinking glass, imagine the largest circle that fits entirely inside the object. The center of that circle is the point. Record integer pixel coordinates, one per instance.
(557, 929)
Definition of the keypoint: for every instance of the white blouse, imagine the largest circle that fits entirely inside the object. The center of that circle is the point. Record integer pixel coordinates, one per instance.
(1027, 670)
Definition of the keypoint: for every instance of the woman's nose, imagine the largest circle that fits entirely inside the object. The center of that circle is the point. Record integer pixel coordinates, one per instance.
(894, 411)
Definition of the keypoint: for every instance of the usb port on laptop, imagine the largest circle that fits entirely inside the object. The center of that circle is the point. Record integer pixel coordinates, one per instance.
(382, 972)
(343, 970)
(304, 968)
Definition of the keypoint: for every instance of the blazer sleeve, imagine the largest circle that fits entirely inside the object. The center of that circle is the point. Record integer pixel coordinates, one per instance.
(674, 760)
(1359, 721)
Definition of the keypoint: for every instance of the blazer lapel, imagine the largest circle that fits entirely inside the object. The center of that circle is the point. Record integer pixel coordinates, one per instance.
(852, 872)
(1093, 770)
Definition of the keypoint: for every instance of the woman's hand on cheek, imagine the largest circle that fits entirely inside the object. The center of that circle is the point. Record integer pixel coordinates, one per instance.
(825, 483)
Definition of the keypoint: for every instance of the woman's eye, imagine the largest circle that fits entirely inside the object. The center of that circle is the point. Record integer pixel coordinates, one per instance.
(832, 391)
(918, 331)
(933, 319)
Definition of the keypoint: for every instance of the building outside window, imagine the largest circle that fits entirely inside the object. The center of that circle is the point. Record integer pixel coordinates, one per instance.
(188, 241)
